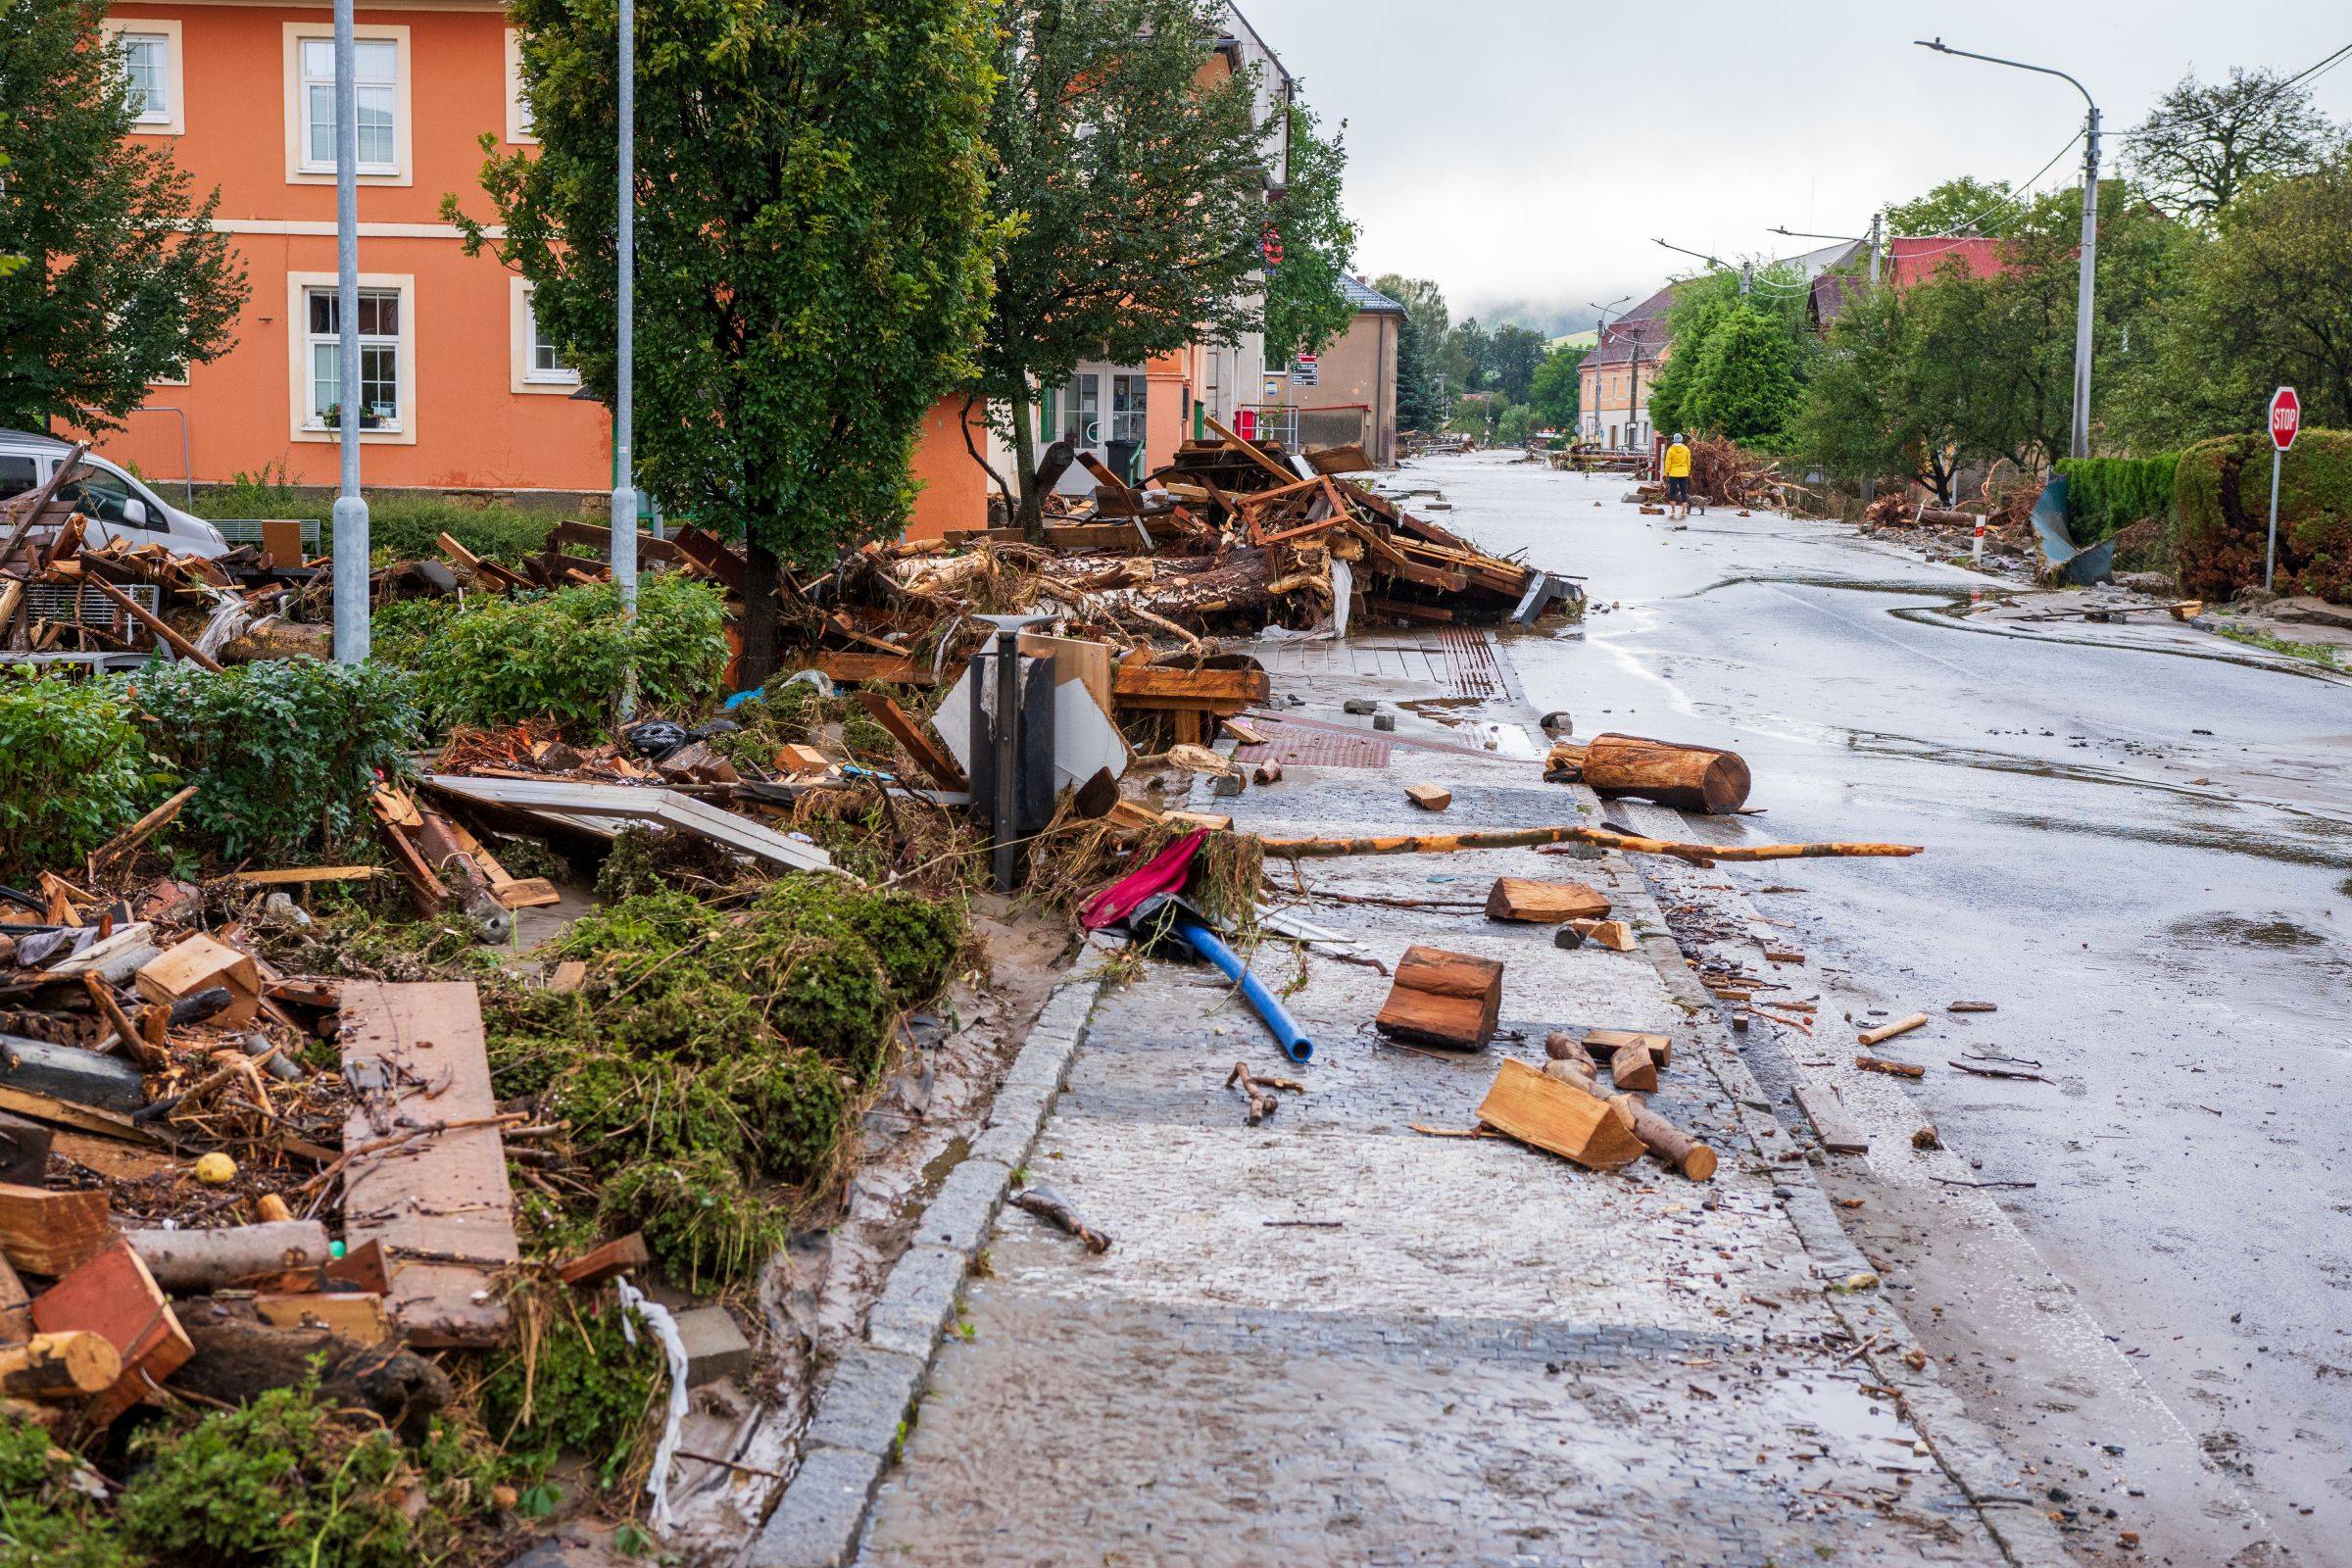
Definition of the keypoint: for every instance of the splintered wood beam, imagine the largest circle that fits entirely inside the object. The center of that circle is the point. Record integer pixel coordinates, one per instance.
(932, 757)
(154, 623)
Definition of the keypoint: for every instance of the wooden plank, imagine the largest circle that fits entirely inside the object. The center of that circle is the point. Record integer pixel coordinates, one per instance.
(42, 1072)
(80, 1118)
(895, 669)
(1139, 685)
(356, 1316)
(287, 875)
(441, 1207)
(1837, 1135)
(601, 1263)
(566, 798)
(1519, 898)
(932, 757)
(199, 963)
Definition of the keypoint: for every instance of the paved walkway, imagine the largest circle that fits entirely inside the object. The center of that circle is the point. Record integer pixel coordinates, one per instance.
(1330, 1339)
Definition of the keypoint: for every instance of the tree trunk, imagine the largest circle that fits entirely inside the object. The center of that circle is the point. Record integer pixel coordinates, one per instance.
(762, 574)
(1030, 515)
(1691, 778)
(206, 1260)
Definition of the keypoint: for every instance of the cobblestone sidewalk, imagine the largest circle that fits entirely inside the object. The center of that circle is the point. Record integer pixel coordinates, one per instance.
(1331, 1339)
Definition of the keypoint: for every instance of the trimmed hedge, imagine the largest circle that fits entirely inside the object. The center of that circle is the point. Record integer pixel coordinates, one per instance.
(2221, 501)
(2106, 494)
(400, 528)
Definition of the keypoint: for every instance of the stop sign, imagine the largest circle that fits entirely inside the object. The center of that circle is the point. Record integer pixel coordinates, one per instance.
(2287, 417)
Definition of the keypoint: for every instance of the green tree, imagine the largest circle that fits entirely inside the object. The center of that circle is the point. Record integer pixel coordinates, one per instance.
(1420, 404)
(1557, 392)
(1513, 354)
(1698, 307)
(1467, 354)
(1422, 300)
(812, 247)
(2268, 301)
(119, 278)
(2203, 143)
(1134, 194)
(1906, 388)
(1514, 423)
(1965, 205)
(1306, 306)
(1746, 386)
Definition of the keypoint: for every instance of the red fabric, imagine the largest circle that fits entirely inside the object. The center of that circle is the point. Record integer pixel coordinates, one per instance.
(1165, 872)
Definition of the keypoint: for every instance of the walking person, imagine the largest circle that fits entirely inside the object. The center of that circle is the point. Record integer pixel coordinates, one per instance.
(1676, 470)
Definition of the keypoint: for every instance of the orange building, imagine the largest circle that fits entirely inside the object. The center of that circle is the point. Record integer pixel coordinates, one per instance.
(461, 390)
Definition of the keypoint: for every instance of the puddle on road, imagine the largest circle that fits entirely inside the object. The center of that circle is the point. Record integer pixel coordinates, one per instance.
(2234, 930)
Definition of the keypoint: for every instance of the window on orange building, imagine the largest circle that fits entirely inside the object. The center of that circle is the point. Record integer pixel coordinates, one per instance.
(376, 76)
(546, 362)
(147, 67)
(379, 358)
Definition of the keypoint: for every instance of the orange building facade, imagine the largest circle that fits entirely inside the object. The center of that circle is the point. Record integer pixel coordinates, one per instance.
(461, 390)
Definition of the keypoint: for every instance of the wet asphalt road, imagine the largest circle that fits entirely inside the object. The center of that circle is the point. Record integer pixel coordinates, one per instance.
(2145, 859)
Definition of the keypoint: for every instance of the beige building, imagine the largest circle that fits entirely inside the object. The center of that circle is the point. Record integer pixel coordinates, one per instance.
(1352, 396)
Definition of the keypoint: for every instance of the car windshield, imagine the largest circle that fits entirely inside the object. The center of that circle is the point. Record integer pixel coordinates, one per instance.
(106, 496)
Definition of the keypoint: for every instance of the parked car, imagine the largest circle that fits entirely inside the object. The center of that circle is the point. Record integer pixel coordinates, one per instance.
(117, 505)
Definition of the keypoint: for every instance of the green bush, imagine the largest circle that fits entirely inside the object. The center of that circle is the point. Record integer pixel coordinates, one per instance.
(2107, 495)
(624, 1109)
(45, 1520)
(283, 753)
(562, 656)
(700, 1224)
(400, 528)
(282, 1482)
(74, 770)
(578, 1386)
(2221, 502)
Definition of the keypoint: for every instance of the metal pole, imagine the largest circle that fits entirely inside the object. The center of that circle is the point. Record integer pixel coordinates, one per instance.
(624, 549)
(2083, 291)
(2269, 551)
(1878, 221)
(1007, 825)
(351, 511)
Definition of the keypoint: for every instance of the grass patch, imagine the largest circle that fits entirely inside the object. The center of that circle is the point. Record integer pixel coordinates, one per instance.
(2325, 655)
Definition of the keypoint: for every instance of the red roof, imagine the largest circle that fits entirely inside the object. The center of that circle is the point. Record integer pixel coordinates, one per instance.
(1911, 261)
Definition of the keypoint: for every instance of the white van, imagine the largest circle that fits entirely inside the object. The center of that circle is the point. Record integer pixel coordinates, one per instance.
(118, 505)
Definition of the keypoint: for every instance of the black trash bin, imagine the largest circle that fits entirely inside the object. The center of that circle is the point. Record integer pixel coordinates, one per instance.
(1122, 457)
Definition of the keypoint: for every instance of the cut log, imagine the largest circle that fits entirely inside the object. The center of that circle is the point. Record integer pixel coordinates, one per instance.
(113, 1295)
(1888, 1031)
(1552, 1115)
(200, 963)
(1634, 1067)
(237, 1358)
(60, 1366)
(1691, 778)
(1672, 1145)
(1519, 898)
(51, 1233)
(1443, 998)
(15, 1306)
(216, 1259)
(1614, 935)
(1603, 1043)
(1428, 796)
(1576, 1071)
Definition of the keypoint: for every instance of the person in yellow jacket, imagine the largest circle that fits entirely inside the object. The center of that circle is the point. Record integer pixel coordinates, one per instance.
(1678, 478)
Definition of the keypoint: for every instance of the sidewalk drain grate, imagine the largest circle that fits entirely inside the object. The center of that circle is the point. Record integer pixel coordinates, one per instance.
(1305, 748)
(1470, 661)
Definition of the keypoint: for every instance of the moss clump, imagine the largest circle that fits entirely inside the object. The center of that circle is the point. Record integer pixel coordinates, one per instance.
(832, 995)
(576, 1385)
(284, 1483)
(644, 929)
(700, 1223)
(917, 941)
(532, 1037)
(794, 1105)
(45, 1522)
(646, 859)
(622, 1109)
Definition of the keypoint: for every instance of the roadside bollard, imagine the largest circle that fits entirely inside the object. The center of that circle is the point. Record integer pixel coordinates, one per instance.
(1976, 544)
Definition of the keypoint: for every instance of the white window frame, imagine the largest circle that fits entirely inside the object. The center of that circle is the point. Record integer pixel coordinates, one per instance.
(524, 373)
(172, 119)
(521, 131)
(301, 425)
(301, 169)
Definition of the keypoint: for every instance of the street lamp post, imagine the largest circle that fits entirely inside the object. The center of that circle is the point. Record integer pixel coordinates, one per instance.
(2087, 269)
(351, 510)
(1602, 336)
(624, 549)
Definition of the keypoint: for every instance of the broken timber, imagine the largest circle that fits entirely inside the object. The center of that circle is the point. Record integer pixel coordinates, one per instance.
(605, 807)
(437, 1200)
(1566, 1121)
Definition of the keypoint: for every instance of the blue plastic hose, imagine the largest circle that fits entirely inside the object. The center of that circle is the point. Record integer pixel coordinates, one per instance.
(1292, 1040)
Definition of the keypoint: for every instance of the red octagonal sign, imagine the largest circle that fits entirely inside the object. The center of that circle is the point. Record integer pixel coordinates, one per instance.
(2287, 417)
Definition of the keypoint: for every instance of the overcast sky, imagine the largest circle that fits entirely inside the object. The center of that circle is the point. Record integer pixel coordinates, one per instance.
(1524, 153)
